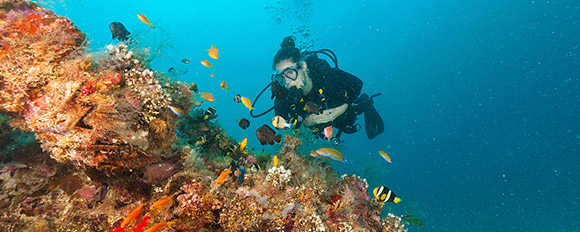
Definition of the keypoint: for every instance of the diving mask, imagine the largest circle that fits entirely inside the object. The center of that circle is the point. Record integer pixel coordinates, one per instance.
(286, 76)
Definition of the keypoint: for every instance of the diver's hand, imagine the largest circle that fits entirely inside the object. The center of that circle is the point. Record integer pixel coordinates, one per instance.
(326, 116)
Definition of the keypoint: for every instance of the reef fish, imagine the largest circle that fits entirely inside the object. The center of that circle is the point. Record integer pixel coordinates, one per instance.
(176, 111)
(132, 215)
(119, 31)
(312, 108)
(101, 192)
(207, 96)
(280, 123)
(385, 156)
(238, 98)
(413, 220)
(224, 86)
(162, 202)
(243, 144)
(267, 135)
(384, 194)
(160, 225)
(210, 113)
(222, 177)
(160, 171)
(206, 63)
(145, 20)
(247, 103)
(328, 132)
(244, 123)
(185, 61)
(328, 153)
(275, 161)
(213, 52)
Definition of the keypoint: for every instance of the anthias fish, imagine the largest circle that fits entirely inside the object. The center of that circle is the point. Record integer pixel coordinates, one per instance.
(206, 63)
(247, 103)
(145, 20)
(213, 52)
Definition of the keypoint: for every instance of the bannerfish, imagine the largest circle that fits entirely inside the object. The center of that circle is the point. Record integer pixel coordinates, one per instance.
(158, 172)
(312, 108)
(267, 135)
(328, 153)
(238, 98)
(119, 31)
(244, 123)
(385, 156)
(280, 123)
(384, 194)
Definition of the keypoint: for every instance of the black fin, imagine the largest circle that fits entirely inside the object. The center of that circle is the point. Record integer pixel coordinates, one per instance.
(374, 125)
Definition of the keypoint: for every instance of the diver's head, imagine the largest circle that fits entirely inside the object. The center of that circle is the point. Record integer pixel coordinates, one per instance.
(290, 69)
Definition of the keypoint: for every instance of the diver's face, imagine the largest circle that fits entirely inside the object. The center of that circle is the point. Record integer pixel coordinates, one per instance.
(291, 72)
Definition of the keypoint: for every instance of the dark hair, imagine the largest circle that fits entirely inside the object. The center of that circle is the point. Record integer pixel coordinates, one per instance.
(287, 51)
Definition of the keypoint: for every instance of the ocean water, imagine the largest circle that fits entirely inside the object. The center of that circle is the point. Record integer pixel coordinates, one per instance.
(480, 98)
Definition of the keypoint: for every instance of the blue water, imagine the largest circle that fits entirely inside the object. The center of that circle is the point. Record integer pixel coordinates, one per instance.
(480, 98)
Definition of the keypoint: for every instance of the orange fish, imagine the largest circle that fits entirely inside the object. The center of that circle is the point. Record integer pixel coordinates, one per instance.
(328, 132)
(206, 63)
(243, 145)
(207, 96)
(224, 86)
(222, 177)
(160, 225)
(247, 103)
(385, 156)
(211, 75)
(132, 215)
(213, 52)
(144, 19)
(161, 202)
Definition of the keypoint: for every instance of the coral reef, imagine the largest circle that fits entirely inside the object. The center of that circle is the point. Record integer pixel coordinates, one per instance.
(111, 155)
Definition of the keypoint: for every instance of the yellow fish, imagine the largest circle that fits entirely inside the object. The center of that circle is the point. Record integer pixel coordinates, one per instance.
(243, 145)
(328, 153)
(202, 141)
(206, 63)
(275, 161)
(247, 103)
(132, 215)
(213, 52)
(160, 225)
(207, 96)
(161, 202)
(222, 177)
(385, 156)
(224, 86)
(144, 19)
(384, 194)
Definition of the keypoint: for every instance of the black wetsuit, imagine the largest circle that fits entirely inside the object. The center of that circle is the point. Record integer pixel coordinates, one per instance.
(331, 88)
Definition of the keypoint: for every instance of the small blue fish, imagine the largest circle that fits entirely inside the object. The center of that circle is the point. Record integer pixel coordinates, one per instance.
(185, 71)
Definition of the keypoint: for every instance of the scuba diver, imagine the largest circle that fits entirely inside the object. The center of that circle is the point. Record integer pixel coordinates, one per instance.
(309, 91)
